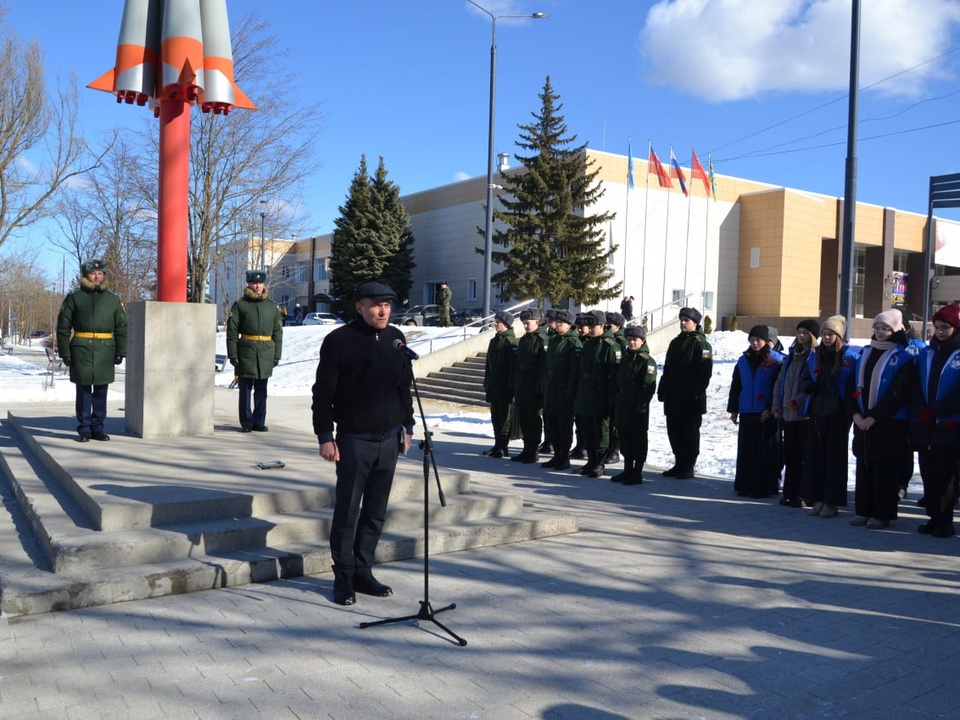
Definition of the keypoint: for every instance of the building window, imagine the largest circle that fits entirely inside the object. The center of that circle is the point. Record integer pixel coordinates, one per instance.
(754, 258)
(472, 290)
(677, 297)
(859, 273)
(707, 297)
(320, 269)
(900, 262)
(303, 271)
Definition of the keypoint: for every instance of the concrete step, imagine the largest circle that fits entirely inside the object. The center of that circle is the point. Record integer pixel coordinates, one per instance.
(460, 398)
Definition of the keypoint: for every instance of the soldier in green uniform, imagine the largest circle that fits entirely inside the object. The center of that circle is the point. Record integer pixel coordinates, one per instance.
(583, 333)
(560, 388)
(615, 323)
(498, 381)
(636, 385)
(443, 297)
(254, 346)
(683, 391)
(596, 390)
(92, 339)
(531, 353)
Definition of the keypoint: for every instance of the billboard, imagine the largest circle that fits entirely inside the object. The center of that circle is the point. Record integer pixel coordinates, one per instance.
(947, 245)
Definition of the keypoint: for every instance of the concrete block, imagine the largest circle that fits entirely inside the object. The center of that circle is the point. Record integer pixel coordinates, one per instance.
(170, 365)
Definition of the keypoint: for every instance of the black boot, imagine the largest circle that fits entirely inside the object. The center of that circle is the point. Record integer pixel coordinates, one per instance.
(591, 463)
(613, 455)
(636, 474)
(598, 469)
(546, 448)
(343, 593)
(577, 454)
(364, 582)
(563, 462)
(626, 474)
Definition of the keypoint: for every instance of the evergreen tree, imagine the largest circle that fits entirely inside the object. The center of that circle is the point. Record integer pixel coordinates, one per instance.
(553, 249)
(371, 239)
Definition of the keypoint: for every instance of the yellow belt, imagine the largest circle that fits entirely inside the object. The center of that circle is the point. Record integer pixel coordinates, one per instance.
(94, 336)
(258, 338)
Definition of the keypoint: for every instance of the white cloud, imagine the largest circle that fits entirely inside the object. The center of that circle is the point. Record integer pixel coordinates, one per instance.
(460, 176)
(733, 49)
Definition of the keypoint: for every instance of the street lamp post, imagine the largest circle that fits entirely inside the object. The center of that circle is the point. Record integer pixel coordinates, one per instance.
(263, 242)
(488, 221)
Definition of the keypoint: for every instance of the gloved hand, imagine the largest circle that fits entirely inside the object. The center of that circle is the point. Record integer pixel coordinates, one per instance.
(276, 362)
(68, 361)
(117, 359)
(233, 361)
(927, 419)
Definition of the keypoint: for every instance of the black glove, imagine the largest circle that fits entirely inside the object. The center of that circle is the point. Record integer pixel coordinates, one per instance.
(117, 359)
(233, 361)
(276, 362)
(68, 361)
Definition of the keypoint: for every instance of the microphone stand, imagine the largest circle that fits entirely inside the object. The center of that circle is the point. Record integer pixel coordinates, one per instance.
(427, 612)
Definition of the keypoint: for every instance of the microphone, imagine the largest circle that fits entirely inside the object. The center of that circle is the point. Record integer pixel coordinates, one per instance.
(398, 345)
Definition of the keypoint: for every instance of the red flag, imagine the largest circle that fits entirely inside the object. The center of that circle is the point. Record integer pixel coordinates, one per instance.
(656, 167)
(697, 171)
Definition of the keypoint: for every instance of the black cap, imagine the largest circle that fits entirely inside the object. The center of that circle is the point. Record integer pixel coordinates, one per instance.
(691, 313)
(567, 316)
(759, 331)
(530, 314)
(256, 276)
(635, 331)
(504, 317)
(615, 318)
(95, 264)
(374, 291)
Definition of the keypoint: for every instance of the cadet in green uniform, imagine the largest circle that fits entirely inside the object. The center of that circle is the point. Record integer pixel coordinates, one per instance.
(615, 323)
(583, 332)
(596, 390)
(254, 346)
(560, 387)
(683, 391)
(550, 318)
(443, 297)
(92, 339)
(498, 381)
(531, 352)
(636, 385)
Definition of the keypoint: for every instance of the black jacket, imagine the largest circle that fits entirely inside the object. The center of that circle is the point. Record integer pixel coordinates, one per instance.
(363, 382)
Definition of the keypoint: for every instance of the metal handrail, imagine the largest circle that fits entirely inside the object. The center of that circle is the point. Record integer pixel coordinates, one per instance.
(482, 324)
(649, 316)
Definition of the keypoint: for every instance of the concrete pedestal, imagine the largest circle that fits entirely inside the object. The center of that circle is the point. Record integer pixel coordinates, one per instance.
(170, 366)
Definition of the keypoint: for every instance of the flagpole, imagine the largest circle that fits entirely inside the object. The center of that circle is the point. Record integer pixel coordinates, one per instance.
(626, 214)
(646, 208)
(686, 248)
(666, 247)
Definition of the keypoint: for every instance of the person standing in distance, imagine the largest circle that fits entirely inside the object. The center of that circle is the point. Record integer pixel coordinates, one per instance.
(444, 296)
(499, 381)
(92, 339)
(362, 388)
(687, 369)
(254, 345)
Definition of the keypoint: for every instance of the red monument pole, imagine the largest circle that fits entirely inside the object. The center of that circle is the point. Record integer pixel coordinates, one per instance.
(173, 54)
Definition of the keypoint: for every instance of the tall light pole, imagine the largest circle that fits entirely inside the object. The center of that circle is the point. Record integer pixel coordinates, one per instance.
(488, 222)
(263, 242)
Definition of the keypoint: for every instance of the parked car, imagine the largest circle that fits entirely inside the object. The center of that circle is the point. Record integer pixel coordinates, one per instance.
(466, 316)
(317, 318)
(422, 315)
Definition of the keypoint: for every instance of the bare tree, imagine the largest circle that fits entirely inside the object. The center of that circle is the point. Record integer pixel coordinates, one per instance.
(239, 159)
(29, 303)
(39, 146)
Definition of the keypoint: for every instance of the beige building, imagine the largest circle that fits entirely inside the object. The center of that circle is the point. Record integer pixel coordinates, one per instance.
(756, 251)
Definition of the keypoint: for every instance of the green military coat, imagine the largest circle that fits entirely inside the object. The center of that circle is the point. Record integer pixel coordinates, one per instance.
(92, 309)
(636, 383)
(560, 384)
(254, 335)
(531, 353)
(597, 381)
(687, 369)
(498, 378)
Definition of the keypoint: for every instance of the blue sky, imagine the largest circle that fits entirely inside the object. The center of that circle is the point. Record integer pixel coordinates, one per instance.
(760, 84)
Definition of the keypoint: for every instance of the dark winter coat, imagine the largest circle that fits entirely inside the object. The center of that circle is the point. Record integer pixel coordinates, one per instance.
(597, 381)
(254, 335)
(560, 386)
(636, 383)
(789, 398)
(530, 375)
(937, 393)
(751, 390)
(687, 369)
(499, 375)
(92, 309)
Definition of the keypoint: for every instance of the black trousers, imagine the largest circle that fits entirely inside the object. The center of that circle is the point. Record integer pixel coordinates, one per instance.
(683, 431)
(827, 481)
(633, 434)
(364, 478)
(500, 419)
(595, 434)
(795, 451)
(91, 408)
(558, 427)
(939, 468)
(531, 423)
(257, 417)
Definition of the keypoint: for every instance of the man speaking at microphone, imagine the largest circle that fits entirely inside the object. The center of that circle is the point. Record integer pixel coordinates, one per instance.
(362, 388)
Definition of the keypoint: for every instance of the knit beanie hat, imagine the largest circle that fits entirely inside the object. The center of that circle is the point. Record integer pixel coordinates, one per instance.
(837, 324)
(949, 314)
(759, 331)
(811, 326)
(892, 318)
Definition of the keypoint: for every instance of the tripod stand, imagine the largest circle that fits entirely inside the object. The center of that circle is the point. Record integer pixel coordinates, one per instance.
(427, 611)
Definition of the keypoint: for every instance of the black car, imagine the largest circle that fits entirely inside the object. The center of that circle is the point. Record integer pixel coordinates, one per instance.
(466, 316)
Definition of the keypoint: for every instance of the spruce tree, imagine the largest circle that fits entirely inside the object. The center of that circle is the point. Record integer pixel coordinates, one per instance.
(553, 249)
(371, 239)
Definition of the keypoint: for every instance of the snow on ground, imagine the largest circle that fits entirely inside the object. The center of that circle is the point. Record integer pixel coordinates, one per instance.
(22, 381)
